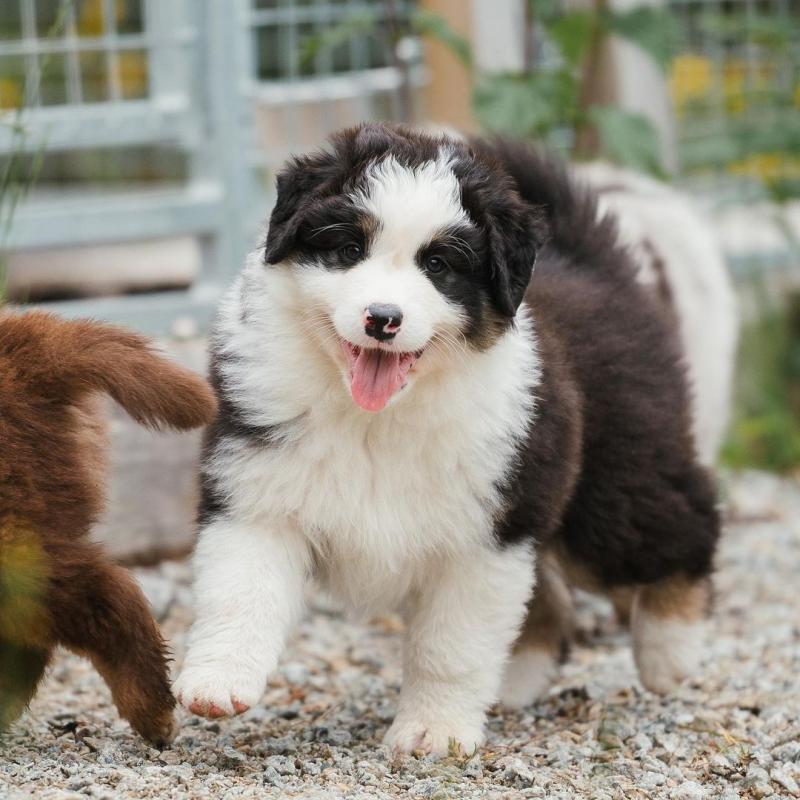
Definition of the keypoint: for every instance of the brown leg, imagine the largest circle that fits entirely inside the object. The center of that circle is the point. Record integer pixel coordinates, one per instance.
(100, 612)
(543, 641)
(667, 628)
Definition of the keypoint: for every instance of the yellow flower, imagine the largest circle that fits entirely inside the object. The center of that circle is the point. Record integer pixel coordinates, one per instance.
(10, 93)
(690, 79)
(768, 167)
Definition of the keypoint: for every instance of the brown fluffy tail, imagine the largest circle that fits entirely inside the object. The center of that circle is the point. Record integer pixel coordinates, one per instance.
(62, 360)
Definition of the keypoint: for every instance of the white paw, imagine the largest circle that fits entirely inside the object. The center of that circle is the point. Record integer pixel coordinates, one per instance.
(409, 735)
(667, 651)
(218, 690)
(529, 674)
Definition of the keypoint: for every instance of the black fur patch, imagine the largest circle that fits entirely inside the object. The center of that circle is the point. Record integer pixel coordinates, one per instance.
(609, 473)
(230, 423)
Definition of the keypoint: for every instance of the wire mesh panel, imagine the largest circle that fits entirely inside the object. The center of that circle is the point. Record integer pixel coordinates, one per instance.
(66, 55)
(323, 64)
(164, 94)
(137, 114)
(736, 88)
(65, 63)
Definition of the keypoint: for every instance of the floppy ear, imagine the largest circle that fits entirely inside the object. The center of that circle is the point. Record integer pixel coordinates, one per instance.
(516, 233)
(300, 183)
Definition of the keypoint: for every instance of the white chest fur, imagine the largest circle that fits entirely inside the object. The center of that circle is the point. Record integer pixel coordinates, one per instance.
(380, 497)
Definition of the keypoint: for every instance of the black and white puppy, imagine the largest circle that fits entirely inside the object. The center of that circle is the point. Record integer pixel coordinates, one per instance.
(407, 417)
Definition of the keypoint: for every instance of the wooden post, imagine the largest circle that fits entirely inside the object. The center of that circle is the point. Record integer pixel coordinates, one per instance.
(448, 94)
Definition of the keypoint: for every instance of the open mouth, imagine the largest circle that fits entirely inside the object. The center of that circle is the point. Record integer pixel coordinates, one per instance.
(376, 374)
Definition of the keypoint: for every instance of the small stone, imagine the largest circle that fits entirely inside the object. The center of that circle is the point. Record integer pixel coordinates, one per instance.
(424, 788)
(230, 758)
(516, 772)
(688, 790)
(282, 745)
(720, 765)
(272, 778)
(473, 768)
(170, 757)
(339, 737)
(652, 779)
(757, 781)
(788, 751)
(282, 765)
(668, 741)
(782, 778)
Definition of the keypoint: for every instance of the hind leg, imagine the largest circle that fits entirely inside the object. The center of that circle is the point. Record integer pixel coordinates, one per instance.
(667, 625)
(21, 669)
(100, 612)
(622, 599)
(543, 641)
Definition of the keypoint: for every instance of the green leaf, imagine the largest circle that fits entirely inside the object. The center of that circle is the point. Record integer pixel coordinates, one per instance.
(627, 139)
(426, 23)
(572, 33)
(654, 30)
(358, 24)
(527, 106)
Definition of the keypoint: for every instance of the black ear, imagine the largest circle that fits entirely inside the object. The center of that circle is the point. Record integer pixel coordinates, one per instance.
(516, 232)
(301, 183)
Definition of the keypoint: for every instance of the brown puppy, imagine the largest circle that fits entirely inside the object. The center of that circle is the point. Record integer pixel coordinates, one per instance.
(57, 587)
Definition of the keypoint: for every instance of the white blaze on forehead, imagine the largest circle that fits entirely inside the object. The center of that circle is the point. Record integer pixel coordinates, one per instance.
(412, 204)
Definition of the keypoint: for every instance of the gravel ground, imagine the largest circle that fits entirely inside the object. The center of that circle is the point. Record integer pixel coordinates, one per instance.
(733, 733)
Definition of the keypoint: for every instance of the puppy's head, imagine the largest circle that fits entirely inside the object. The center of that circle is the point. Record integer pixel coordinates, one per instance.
(404, 249)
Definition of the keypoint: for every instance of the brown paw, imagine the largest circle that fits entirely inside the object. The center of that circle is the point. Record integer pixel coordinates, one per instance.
(159, 730)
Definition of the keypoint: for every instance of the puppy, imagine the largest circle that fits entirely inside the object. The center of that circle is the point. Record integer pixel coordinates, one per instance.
(407, 416)
(57, 587)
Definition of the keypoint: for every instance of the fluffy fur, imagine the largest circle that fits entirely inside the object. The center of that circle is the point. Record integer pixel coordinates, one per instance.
(57, 587)
(526, 427)
(679, 257)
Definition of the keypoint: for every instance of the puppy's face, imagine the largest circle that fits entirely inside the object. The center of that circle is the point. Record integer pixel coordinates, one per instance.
(396, 266)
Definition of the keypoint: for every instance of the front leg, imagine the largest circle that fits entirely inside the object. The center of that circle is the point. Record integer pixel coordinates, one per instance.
(248, 589)
(461, 628)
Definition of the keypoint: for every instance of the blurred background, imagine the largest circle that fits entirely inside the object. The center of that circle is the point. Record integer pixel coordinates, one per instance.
(139, 141)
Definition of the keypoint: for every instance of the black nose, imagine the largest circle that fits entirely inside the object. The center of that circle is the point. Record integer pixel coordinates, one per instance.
(382, 321)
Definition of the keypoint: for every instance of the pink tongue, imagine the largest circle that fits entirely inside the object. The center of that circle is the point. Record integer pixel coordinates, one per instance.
(377, 375)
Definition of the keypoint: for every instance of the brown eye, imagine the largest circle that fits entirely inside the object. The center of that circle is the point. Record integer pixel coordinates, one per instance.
(352, 252)
(435, 265)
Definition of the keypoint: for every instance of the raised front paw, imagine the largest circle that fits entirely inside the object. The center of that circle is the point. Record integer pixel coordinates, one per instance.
(409, 735)
(217, 691)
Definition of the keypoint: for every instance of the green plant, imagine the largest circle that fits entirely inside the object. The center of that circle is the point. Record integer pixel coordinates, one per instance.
(550, 103)
(558, 103)
(766, 428)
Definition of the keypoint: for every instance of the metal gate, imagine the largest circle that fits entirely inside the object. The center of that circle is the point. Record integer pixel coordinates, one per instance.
(192, 91)
(225, 82)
